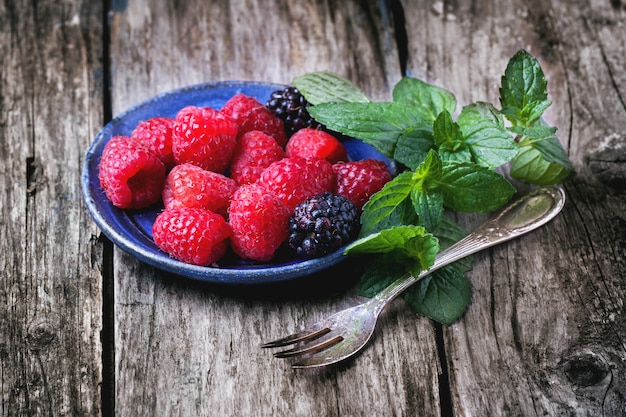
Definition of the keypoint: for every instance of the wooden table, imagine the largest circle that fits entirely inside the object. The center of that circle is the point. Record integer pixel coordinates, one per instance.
(86, 329)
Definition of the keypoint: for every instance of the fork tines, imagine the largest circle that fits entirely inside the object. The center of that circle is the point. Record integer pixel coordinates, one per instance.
(306, 342)
(302, 336)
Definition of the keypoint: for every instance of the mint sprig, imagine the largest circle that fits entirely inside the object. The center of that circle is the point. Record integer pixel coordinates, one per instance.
(541, 159)
(523, 91)
(408, 245)
(449, 165)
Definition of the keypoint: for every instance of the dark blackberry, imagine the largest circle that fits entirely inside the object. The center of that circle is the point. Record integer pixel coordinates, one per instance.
(322, 224)
(291, 107)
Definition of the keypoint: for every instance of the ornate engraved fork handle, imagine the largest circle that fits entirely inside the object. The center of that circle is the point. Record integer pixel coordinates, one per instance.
(528, 213)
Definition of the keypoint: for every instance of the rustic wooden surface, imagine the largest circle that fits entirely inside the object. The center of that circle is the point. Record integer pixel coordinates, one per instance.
(86, 329)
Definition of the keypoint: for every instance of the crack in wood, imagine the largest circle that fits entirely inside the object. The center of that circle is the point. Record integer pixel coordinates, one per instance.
(34, 176)
(445, 393)
(107, 390)
(402, 43)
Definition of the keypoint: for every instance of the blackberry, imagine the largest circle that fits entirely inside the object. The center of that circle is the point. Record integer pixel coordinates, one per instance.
(291, 107)
(322, 224)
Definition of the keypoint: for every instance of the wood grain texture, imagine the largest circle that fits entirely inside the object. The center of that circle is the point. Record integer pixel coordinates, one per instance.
(545, 332)
(163, 46)
(184, 348)
(50, 256)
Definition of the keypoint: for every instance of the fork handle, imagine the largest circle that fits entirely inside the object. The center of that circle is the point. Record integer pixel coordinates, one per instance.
(525, 214)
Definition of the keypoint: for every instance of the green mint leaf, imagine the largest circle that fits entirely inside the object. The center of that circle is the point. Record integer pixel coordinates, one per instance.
(422, 250)
(426, 99)
(326, 87)
(541, 162)
(448, 232)
(428, 204)
(490, 144)
(468, 187)
(442, 296)
(551, 150)
(523, 91)
(534, 132)
(389, 207)
(458, 152)
(380, 124)
(380, 274)
(413, 146)
(426, 198)
(401, 214)
(448, 138)
(411, 245)
(445, 130)
(429, 171)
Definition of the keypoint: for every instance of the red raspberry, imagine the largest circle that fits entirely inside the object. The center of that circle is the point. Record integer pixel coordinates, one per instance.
(309, 143)
(254, 152)
(295, 179)
(259, 222)
(204, 137)
(132, 177)
(156, 135)
(358, 180)
(191, 235)
(250, 114)
(188, 185)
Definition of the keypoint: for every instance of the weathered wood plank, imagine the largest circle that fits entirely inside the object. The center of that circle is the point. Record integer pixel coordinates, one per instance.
(184, 348)
(50, 285)
(166, 46)
(545, 332)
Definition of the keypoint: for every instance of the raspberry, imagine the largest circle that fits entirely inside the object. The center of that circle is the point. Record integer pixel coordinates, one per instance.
(191, 235)
(309, 143)
(254, 152)
(322, 224)
(132, 177)
(258, 220)
(156, 135)
(295, 179)
(188, 185)
(291, 107)
(250, 114)
(358, 180)
(204, 137)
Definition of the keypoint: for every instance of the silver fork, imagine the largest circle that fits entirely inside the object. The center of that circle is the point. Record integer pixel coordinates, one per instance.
(345, 333)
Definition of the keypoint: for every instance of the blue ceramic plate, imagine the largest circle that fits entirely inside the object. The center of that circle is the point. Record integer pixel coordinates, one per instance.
(132, 230)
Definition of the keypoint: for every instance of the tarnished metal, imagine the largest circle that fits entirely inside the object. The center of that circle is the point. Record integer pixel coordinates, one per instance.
(345, 333)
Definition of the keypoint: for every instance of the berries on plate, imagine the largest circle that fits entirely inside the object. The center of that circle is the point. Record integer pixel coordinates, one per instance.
(192, 235)
(250, 114)
(188, 185)
(314, 143)
(254, 152)
(204, 137)
(258, 220)
(322, 224)
(132, 176)
(230, 178)
(291, 107)
(295, 179)
(358, 180)
(156, 135)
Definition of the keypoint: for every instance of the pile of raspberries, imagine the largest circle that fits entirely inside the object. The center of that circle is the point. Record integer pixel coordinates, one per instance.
(233, 178)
